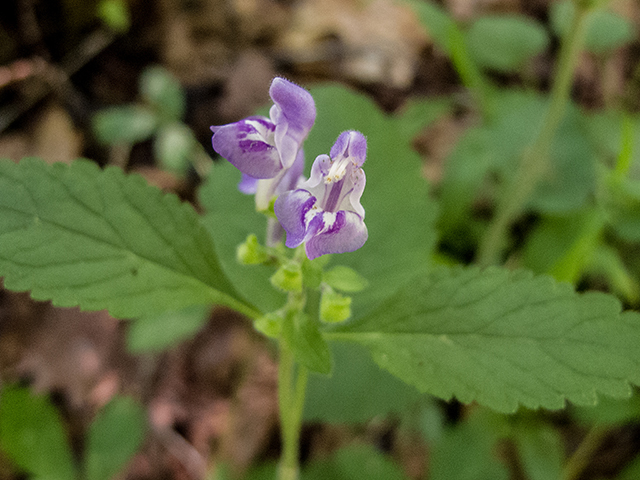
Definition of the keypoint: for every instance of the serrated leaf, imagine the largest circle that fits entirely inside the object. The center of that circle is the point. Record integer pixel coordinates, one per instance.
(32, 435)
(505, 43)
(125, 124)
(80, 236)
(114, 437)
(158, 332)
(163, 91)
(502, 339)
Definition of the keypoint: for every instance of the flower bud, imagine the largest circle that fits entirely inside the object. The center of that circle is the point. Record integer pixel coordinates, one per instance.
(270, 324)
(251, 252)
(334, 307)
(288, 277)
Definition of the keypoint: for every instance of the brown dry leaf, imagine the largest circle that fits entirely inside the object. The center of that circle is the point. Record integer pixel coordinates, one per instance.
(381, 39)
(55, 137)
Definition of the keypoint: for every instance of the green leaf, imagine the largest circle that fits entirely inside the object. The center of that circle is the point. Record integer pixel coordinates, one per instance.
(174, 146)
(541, 451)
(357, 390)
(115, 13)
(611, 412)
(163, 91)
(437, 21)
(230, 218)
(114, 437)
(606, 30)
(307, 343)
(125, 124)
(32, 435)
(505, 43)
(355, 462)
(572, 177)
(157, 332)
(80, 236)
(502, 339)
(399, 214)
(345, 279)
(465, 452)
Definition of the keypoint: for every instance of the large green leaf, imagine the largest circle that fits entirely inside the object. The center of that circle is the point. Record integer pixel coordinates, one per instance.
(357, 390)
(114, 437)
(503, 339)
(32, 435)
(77, 235)
(399, 214)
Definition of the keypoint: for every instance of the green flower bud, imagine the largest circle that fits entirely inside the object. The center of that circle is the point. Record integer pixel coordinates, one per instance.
(251, 252)
(269, 324)
(334, 307)
(288, 277)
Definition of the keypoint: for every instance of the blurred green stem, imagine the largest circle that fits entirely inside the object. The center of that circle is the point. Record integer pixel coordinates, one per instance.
(292, 384)
(577, 463)
(535, 161)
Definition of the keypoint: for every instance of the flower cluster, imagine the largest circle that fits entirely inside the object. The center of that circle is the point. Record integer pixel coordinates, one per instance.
(323, 212)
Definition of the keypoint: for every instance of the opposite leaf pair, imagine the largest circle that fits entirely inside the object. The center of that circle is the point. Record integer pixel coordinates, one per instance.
(323, 212)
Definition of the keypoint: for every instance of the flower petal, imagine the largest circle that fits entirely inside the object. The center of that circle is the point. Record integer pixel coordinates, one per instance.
(291, 209)
(350, 144)
(348, 233)
(245, 145)
(248, 184)
(293, 115)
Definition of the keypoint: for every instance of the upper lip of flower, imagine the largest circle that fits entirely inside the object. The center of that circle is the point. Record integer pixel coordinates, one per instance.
(262, 147)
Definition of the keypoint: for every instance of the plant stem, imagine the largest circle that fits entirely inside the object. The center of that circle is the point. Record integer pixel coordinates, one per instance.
(580, 458)
(292, 385)
(535, 161)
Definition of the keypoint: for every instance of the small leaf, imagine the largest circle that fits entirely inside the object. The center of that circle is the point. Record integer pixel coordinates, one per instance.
(345, 279)
(502, 339)
(80, 236)
(125, 124)
(606, 31)
(158, 332)
(174, 146)
(436, 20)
(505, 43)
(115, 13)
(114, 437)
(163, 91)
(32, 435)
(307, 343)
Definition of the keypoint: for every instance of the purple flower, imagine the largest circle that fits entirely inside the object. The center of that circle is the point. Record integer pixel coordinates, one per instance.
(325, 211)
(262, 147)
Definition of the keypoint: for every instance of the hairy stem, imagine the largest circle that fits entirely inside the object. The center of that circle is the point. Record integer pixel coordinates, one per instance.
(535, 161)
(292, 384)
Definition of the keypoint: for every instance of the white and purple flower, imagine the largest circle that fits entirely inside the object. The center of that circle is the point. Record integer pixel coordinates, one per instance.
(325, 211)
(265, 148)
